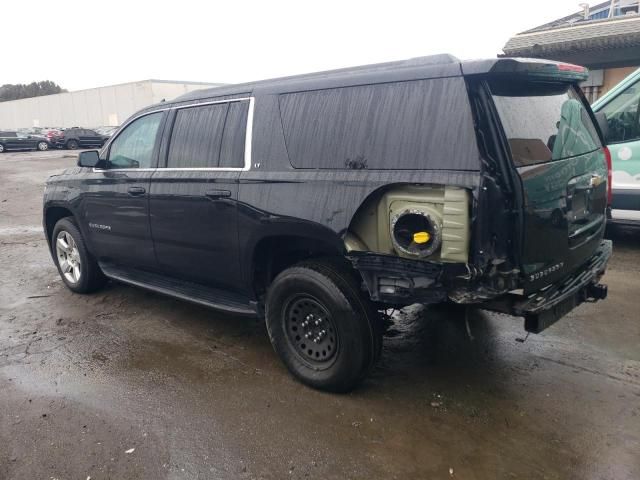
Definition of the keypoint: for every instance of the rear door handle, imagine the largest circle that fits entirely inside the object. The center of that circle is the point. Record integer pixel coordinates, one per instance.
(217, 194)
(136, 191)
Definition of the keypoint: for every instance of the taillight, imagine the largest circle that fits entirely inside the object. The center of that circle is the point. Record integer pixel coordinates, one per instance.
(607, 156)
(569, 67)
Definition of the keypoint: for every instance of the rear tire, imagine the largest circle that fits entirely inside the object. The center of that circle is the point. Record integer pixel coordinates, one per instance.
(1, 148)
(72, 144)
(323, 328)
(42, 146)
(77, 267)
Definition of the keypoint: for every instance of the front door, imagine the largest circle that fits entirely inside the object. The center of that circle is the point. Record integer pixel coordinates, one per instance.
(193, 203)
(115, 206)
(623, 138)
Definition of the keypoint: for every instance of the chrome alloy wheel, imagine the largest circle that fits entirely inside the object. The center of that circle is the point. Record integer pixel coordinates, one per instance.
(68, 257)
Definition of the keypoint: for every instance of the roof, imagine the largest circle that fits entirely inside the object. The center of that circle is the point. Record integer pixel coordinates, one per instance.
(603, 34)
(431, 66)
(420, 68)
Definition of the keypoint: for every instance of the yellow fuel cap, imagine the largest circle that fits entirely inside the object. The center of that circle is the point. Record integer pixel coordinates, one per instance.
(421, 237)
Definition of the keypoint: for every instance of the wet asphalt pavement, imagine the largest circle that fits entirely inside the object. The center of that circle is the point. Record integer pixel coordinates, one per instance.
(126, 384)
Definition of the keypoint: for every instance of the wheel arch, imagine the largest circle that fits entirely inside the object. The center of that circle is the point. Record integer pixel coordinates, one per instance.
(286, 246)
(53, 213)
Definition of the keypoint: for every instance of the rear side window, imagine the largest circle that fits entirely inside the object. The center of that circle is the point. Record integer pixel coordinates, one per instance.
(543, 121)
(403, 125)
(210, 136)
(623, 115)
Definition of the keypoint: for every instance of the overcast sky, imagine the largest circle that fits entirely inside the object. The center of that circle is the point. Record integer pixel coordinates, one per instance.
(84, 44)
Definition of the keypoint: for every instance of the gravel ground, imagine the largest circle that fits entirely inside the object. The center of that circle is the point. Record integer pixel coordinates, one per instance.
(127, 384)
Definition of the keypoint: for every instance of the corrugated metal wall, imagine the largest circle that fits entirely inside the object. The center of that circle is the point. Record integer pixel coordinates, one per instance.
(90, 108)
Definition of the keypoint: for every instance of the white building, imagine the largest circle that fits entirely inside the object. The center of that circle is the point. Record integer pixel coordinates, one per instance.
(93, 107)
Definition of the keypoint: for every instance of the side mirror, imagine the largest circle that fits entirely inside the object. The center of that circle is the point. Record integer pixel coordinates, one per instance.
(601, 118)
(90, 158)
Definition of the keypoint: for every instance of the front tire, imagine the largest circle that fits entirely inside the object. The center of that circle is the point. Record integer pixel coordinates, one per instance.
(77, 267)
(42, 146)
(1, 148)
(72, 145)
(322, 327)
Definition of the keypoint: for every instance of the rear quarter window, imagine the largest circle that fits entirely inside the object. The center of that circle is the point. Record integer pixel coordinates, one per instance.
(543, 122)
(422, 124)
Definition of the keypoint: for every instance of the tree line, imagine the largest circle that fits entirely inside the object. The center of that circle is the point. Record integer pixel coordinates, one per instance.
(33, 89)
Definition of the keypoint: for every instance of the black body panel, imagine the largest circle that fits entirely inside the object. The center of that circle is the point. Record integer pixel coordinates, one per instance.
(115, 211)
(194, 225)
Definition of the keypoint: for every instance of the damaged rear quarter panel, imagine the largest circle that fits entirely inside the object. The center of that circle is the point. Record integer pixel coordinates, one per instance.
(288, 199)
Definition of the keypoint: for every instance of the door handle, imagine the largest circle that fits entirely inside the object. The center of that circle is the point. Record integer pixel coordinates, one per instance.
(217, 194)
(136, 191)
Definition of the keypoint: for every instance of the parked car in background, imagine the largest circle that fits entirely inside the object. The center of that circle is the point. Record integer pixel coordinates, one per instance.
(73, 138)
(51, 134)
(621, 107)
(12, 140)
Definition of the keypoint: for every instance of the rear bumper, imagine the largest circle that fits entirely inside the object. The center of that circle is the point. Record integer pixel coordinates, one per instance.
(545, 307)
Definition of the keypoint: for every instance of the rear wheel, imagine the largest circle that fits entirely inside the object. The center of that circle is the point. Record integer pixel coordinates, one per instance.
(1, 148)
(76, 266)
(72, 144)
(42, 146)
(325, 331)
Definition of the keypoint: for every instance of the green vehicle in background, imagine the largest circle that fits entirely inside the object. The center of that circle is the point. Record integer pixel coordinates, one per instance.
(621, 107)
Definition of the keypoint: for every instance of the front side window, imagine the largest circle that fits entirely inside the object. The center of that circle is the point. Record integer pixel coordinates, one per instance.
(623, 115)
(543, 122)
(134, 146)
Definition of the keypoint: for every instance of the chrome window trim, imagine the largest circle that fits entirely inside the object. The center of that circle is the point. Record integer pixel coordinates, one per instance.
(248, 138)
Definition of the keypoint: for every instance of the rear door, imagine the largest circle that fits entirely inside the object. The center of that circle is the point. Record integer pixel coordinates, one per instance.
(84, 138)
(194, 197)
(562, 167)
(92, 138)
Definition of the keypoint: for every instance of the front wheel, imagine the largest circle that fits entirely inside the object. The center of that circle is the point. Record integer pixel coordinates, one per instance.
(322, 327)
(1, 148)
(42, 146)
(72, 145)
(76, 266)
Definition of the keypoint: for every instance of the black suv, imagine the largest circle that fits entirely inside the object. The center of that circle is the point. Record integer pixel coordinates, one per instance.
(73, 138)
(316, 201)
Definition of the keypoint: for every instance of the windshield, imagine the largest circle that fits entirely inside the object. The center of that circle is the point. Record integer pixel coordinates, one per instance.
(543, 122)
